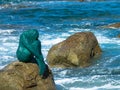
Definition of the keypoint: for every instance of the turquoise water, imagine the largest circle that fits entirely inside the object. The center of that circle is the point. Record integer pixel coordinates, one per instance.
(56, 20)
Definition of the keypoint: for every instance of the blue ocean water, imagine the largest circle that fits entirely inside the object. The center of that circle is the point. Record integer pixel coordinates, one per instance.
(58, 19)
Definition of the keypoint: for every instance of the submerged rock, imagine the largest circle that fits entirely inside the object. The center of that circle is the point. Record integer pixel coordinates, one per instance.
(81, 0)
(91, 0)
(75, 51)
(119, 36)
(115, 25)
(24, 76)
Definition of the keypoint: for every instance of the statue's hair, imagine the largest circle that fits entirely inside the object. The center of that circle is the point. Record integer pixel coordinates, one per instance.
(31, 35)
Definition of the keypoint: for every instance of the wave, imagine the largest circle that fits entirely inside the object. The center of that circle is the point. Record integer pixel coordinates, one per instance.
(104, 87)
(88, 83)
(10, 3)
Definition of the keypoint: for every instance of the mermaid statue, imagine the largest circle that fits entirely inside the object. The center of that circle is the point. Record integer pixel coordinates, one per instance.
(29, 50)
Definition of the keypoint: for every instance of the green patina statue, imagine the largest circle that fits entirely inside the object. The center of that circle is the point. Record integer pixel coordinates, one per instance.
(29, 50)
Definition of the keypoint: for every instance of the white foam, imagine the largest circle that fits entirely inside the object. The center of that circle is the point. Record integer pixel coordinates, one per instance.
(11, 44)
(52, 41)
(75, 30)
(65, 35)
(3, 49)
(8, 39)
(105, 40)
(112, 59)
(66, 80)
(104, 87)
(7, 57)
(6, 32)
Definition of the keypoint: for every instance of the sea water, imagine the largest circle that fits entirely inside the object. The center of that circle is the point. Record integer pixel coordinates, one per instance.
(58, 19)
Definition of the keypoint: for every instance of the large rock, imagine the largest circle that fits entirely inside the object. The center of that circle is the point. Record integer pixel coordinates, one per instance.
(24, 76)
(76, 50)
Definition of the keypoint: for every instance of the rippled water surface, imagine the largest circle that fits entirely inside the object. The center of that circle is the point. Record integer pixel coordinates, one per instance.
(56, 20)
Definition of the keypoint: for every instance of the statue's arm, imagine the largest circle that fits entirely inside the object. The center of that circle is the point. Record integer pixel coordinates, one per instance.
(39, 57)
(34, 48)
(37, 49)
(26, 44)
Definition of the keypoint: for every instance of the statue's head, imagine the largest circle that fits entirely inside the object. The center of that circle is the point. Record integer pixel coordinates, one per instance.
(32, 35)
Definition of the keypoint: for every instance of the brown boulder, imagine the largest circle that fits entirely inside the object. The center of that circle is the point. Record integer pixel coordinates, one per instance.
(76, 50)
(24, 76)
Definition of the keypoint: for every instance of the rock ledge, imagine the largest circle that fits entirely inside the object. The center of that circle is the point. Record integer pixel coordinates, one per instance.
(24, 76)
